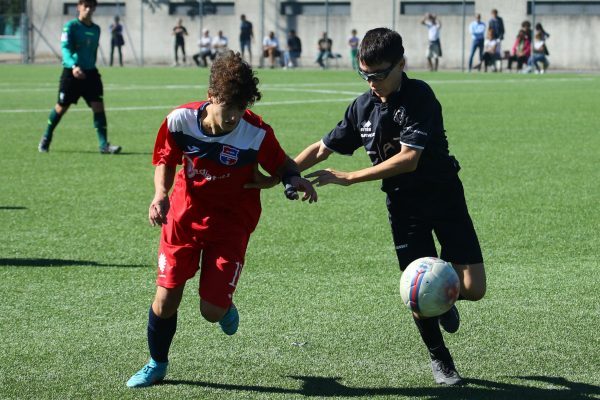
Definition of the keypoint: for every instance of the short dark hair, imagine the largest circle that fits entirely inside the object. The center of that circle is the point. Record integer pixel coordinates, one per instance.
(232, 81)
(381, 45)
(92, 2)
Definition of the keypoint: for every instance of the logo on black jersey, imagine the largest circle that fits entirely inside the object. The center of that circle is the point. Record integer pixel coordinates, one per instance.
(400, 116)
(365, 126)
(229, 155)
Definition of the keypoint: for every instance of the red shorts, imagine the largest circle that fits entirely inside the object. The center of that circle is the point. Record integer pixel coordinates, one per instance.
(220, 263)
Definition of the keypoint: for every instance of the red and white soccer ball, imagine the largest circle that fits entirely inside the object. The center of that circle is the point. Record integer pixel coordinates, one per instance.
(429, 286)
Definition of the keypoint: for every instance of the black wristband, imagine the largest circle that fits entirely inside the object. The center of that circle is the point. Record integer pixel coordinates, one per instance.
(286, 179)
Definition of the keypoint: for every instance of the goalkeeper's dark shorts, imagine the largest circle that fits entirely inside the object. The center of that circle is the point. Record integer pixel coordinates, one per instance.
(71, 88)
(433, 208)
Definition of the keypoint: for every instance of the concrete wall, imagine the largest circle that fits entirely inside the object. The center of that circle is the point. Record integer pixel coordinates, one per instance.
(572, 44)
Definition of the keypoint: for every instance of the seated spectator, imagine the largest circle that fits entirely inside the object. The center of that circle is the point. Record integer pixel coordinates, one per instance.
(521, 50)
(271, 48)
(219, 45)
(539, 54)
(490, 53)
(324, 46)
(294, 49)
(205, 45)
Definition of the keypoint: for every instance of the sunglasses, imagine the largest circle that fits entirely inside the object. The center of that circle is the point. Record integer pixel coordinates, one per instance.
(376, 76)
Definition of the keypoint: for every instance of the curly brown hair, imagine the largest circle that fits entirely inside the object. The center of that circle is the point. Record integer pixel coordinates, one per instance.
(232, 81)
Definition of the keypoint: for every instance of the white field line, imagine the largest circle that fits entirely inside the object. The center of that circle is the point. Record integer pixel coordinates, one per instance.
(303, 87)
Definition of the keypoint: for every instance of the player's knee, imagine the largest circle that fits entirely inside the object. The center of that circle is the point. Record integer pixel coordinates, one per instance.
(163, 310)
(211, 313)
(475, 292)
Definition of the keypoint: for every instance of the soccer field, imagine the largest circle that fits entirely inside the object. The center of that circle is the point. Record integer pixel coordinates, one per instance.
(320, 311)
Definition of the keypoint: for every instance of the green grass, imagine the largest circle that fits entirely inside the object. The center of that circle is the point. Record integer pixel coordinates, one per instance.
(77, 255)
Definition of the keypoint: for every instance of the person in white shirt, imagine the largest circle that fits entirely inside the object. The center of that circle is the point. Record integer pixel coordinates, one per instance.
(205, 45)
(490, 52)
(434, 50)
(219, 45)
(271, 48)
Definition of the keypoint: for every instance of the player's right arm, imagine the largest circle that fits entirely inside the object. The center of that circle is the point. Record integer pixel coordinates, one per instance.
(164, 176)
(312, 155)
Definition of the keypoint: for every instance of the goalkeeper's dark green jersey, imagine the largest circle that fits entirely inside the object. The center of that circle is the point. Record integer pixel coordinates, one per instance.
(79, 44)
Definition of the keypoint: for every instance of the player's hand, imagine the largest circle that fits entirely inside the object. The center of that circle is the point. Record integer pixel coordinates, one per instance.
(78, 73)
(299, 184)
(261, 181)
(159, 208)
(324, 177)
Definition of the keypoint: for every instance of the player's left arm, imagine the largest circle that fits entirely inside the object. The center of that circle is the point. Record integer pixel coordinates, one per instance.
(405, 161)
(293, 182)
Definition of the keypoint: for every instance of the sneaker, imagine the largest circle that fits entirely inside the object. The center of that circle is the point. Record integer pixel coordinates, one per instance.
(230, 321)
(110, 149)
(450, 320)
(152, 373)
(445, 373)
(44, 145)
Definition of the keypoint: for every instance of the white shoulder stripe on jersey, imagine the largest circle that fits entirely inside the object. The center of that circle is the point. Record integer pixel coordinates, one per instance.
(244, 136)
(414, 146)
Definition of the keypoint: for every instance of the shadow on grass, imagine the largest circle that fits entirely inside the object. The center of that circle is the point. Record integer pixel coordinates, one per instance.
(55, 262)
(472, 389)
(12, 208)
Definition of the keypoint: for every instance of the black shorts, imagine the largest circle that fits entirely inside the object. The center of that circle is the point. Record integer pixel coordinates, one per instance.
(71, 89)
(429, 208)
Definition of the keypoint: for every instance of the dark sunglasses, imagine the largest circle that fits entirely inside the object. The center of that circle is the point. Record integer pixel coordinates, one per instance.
(376, 76)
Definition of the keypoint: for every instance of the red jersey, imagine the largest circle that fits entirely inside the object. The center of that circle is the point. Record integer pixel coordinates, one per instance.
(208, 197)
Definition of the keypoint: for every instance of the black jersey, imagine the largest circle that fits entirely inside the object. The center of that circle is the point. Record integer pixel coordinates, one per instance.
(411, 117)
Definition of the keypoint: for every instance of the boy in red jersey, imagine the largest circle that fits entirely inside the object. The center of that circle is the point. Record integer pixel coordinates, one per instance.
(214, 206)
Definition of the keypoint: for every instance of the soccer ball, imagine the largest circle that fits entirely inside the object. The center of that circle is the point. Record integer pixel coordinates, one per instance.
(429, 286)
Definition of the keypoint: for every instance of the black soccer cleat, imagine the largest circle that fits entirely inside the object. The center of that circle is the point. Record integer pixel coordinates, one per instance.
(444, 372)
(450, 320)
(44, 145)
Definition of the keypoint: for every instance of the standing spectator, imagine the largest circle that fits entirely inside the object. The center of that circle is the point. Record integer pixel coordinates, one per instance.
(497, 25)
(294, 50)
(324, 46)
(80, 77)
(477, 31)
(271, 48)
(246, 37)
(214, 205)
(490, 53)
(520, 51)
(353, 42)
(434, 50)
(116, 40)
(539, 54)
(205, 45)
(219, 45)
(179, 32)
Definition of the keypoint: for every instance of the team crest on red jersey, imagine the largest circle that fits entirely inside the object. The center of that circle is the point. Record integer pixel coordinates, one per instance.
(229, 155)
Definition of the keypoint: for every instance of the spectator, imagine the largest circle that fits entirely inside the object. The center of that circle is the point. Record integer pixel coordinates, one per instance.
(294, 50)
(520, 51)
(179, 32)
(205, 45)
(271, 48)
(324, 46)
(539, 54)
(490, 53)
(116, 40)
(246, 37)
(526, 26)
(434, 50)
(477, 31)
(545, 35)
(219, 45)
(497, 24)
(353, 42)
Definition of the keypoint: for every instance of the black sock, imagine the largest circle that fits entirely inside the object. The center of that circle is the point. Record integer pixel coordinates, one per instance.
(160, 335)
(432, 337)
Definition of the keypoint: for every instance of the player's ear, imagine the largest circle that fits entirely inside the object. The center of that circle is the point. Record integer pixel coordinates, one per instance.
(402, 63)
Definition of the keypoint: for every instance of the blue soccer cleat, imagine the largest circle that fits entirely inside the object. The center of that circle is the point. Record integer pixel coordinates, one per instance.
(152, 373)
(230, 321)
